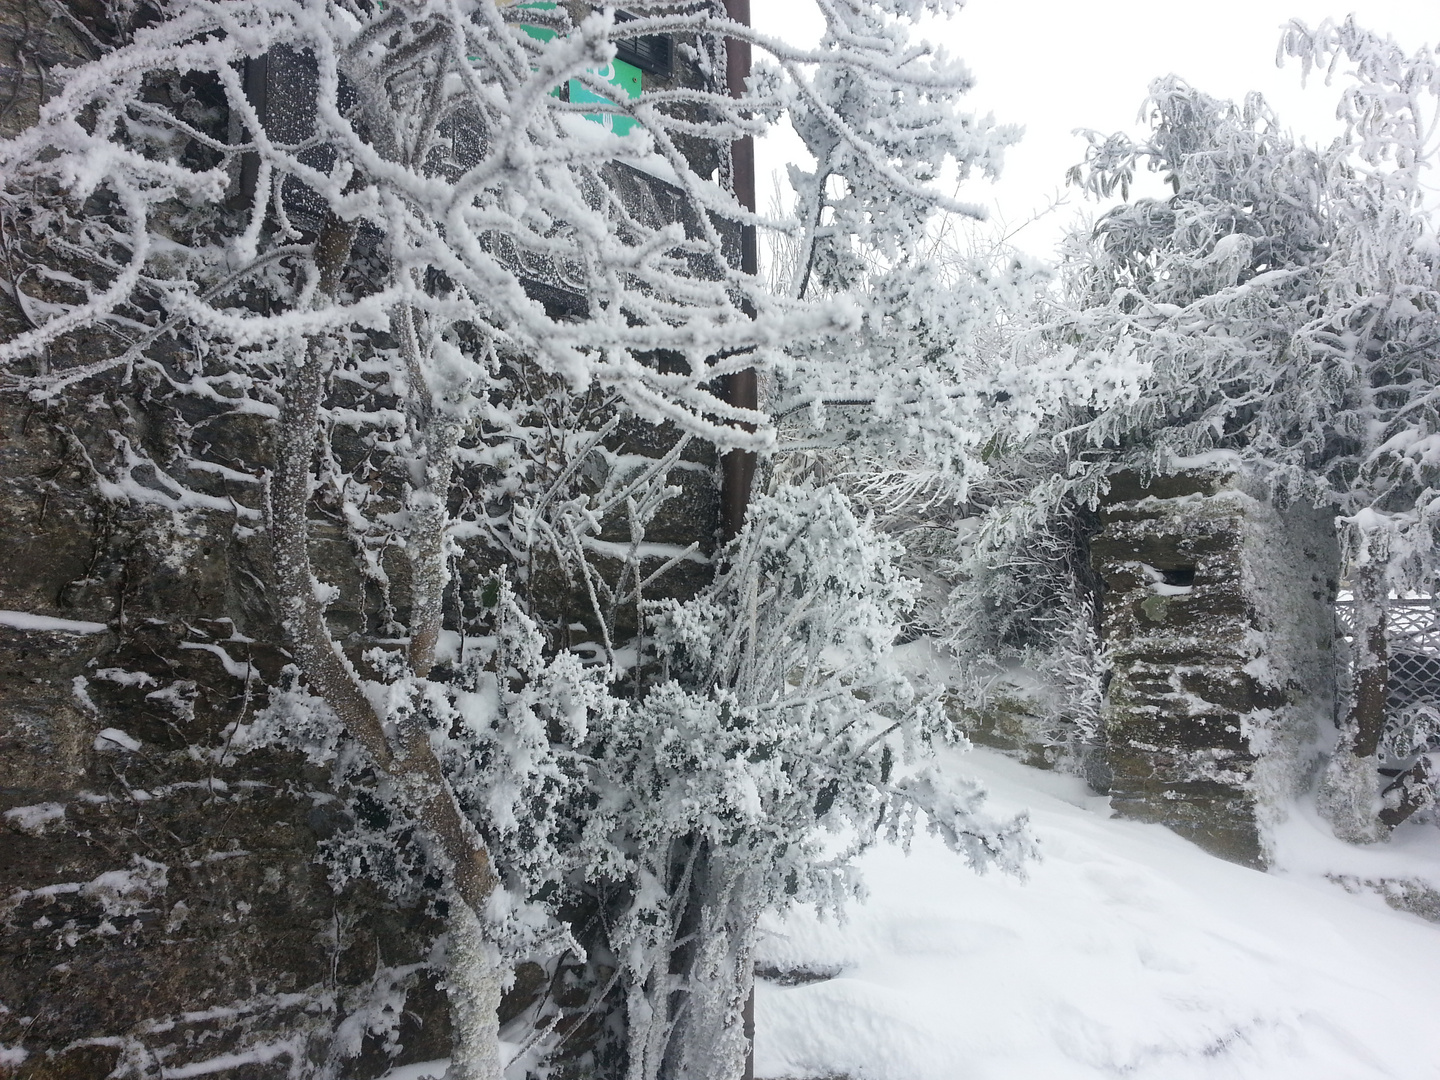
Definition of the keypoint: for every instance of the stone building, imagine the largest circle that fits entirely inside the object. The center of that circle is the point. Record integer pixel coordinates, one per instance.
(163, 909)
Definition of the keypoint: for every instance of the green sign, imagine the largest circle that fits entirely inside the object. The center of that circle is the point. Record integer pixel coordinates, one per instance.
(624, 77)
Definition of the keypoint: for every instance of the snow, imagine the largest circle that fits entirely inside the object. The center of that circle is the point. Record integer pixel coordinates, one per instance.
(435, 1070)
(12, 1056)
(23, 620)
(125, 678)
(256, 1055)
(35, 820)
(115, 739)
(124, 892)
(233, 667)
(1126, 952)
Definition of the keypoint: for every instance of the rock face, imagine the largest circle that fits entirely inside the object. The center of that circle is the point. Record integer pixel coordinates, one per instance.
(1218, 621)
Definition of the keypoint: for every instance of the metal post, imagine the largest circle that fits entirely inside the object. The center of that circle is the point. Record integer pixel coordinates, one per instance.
(738, 466)
(742, 388)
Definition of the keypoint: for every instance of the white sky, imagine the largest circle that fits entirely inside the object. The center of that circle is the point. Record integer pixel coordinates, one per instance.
(1056, 65)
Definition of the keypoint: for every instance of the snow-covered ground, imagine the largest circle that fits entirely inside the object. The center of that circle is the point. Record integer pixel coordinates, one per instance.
(1128, 952)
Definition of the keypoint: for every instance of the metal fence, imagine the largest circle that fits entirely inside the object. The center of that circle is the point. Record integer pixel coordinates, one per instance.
(1412, 702)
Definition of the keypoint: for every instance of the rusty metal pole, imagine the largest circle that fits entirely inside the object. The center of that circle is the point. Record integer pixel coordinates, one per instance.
(737, 469)
(738, 466)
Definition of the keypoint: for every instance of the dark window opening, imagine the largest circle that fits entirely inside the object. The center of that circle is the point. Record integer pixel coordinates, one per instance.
(1181, 575)
(654, 53)
(283, 86)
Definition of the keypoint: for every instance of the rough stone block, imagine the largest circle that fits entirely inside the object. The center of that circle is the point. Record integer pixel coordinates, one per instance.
(1211, 600)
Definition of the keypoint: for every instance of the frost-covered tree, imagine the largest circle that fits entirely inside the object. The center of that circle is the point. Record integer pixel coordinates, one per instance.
(424, 290)
(915, 381)
(777, 715)
(939, 425)
(1390, 108)
(944, 369)
(1283, 300)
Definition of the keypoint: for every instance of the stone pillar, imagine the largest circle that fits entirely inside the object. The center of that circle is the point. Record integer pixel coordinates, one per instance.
(1217, 614)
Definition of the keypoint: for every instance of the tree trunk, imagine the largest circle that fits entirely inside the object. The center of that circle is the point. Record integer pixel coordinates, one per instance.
(434, 434)
(411, 762)
(1366, 721)
(710, 1040)
(472, 985)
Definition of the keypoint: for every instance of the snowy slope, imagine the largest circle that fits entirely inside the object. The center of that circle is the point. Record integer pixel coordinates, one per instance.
(1127, 953)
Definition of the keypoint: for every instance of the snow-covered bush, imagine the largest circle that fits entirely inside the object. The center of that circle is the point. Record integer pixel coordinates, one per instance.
(777, 722)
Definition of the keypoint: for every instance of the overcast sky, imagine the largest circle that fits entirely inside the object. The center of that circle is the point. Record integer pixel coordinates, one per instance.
(1056, 65)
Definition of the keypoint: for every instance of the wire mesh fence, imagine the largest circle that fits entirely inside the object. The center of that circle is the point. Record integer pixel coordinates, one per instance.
(1412, 702)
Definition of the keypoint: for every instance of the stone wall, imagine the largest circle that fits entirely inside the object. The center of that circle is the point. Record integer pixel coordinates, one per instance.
(160, 907)
(1218, 622)
(160, 902)
(163, 905)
